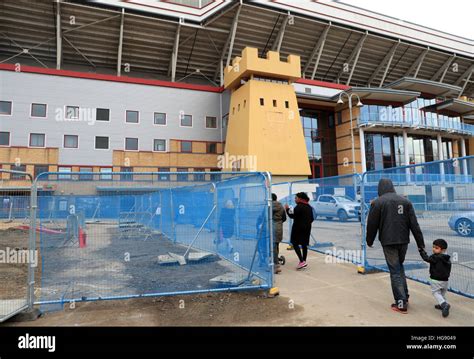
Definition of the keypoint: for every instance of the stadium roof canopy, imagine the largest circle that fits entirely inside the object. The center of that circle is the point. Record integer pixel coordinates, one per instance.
(173, 40)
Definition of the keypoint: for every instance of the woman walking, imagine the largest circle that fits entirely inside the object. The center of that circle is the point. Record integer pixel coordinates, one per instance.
(301, 230)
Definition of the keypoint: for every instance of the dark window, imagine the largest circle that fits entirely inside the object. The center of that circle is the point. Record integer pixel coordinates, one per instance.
(38, 110)
(126, 177)
(216, 175)
(186, 120)
(159, 145)
(131, 144)
(71, 141)
(132, 116)
(37, 140)
(274, 103)
(102, 114)
(102, 143)
(163, 177)
(211, 122)
(182, 177)
(201, 177)
(72, 112)
(186, 146)
(211, 147)
(159, 118)
(4, 138)
(339, 117)
(5, 108)
(287, 104)
(262, 102)
(39, 169)
(17, 176)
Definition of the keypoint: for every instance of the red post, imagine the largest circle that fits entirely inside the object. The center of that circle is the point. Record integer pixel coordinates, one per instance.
(82, 238)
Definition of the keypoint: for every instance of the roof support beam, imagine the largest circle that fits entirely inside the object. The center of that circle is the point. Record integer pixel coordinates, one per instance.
(353, 56)
(443, 69)
(317, 50)
(59, 40)
(281, 33)
(79, 51)
(229, 42)
(463, 76)
(387, 60)
(417, 64)
(119, 54)
(466, 82)
(174, 54)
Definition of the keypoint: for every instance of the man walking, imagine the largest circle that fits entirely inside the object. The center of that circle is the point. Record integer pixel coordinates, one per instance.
(393, 217)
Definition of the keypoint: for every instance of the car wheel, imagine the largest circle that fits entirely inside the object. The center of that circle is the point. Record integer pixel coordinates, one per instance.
(342, 215)
(464, 227)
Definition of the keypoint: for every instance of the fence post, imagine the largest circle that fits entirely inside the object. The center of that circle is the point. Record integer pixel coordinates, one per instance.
(362, 267)
(32, 243)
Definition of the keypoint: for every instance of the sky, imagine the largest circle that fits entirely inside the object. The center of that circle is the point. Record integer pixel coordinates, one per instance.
(454, 16)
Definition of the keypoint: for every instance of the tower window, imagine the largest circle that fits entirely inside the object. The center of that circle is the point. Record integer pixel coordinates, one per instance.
(262, 102)
(287, 104)
(274, 103)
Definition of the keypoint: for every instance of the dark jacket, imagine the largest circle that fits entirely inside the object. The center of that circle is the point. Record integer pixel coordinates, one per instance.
(227, 222)
(393, 217)
(440, 265)
(302, 218)
(279, 216)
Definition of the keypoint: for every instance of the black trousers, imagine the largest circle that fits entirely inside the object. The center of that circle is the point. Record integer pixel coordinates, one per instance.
(395, 256)
(301, 256)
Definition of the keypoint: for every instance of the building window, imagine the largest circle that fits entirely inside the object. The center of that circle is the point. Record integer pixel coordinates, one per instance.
(163, 177)
(287, 104)
(262, 102)
(101, 143)
(245, 103)
(159, 118)
(159, 145)
(72, 112)
(38, 110)
(37, 140)
(216, 175)
(4, 138)
(339, 117)
(187, 120)
(211, 122)
(186, 146)
(5, 108)
(182, 177)
(102, 114)
(106, 177)
(64, 170)
(87, 177)
(126, 177)
(18, 176)
(274, 103)
(71, 141)
(131, 144)
(39, 169)
(201, 177)
(211, 147)
(132, 116)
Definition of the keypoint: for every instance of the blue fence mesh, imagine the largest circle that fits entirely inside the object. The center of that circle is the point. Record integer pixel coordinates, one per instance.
(106, 239)
(442, 194)
(336, 208)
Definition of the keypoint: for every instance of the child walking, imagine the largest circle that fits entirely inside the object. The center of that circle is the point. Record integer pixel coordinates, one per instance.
(440, 269)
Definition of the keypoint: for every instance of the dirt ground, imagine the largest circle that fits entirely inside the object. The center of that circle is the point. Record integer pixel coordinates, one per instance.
(13, 276)
(216, 309)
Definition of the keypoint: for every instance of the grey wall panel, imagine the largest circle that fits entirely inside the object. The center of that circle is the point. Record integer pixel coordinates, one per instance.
(58, 92)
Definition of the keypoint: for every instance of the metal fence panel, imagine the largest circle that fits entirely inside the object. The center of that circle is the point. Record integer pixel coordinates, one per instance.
(117, 238)
(442, 194)
(336, 208)
(18, 256)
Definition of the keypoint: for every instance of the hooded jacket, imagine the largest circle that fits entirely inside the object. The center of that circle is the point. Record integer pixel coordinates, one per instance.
(440, 265)
(393, 217)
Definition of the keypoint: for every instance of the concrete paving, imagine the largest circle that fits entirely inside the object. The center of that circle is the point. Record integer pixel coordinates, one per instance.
(334, 294)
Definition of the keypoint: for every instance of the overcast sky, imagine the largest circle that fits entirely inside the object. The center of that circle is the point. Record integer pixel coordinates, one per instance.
(454, 16)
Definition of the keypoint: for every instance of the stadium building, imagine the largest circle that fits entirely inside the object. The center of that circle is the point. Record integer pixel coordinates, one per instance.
(300, 89)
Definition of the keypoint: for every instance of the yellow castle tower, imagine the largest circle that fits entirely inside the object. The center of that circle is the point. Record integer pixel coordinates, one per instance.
(264, 131)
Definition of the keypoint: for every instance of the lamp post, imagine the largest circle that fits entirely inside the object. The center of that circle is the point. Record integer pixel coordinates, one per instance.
(359, 104)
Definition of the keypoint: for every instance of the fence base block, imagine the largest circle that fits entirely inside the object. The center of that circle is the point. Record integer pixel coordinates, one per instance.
(273, 292)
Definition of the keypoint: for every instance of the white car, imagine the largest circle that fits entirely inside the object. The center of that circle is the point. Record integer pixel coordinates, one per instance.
(333, 206)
